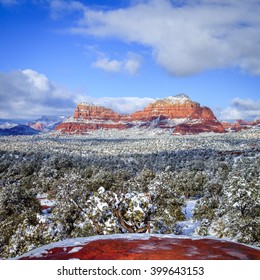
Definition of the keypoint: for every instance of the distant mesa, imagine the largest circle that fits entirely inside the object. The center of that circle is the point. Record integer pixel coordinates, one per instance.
(22, 127)
(46, 123)
(240, 125)
(179, 114)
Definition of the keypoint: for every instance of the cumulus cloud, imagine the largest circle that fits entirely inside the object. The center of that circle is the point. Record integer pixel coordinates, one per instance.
(129, 65)
(186, 37)
(27, 94)
(133, 63)
(107, 65)
(246, 109)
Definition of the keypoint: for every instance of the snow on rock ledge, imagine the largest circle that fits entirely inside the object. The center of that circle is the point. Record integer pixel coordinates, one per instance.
(179, 98)
(143, 247)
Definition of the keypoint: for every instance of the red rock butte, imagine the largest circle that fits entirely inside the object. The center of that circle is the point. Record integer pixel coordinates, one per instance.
(176, 113)
(90, 111)
(144, 247)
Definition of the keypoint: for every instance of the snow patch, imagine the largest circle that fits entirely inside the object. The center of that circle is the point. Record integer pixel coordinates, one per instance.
(179, 98)
(75, 250)
(188, 226)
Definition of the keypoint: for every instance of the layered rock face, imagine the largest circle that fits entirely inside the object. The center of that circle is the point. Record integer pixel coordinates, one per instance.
(92, 117)
(196, 128)
(178, 113)
(175, 107)
(90, 111)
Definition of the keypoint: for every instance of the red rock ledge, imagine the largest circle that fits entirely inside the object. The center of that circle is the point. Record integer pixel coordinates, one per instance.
(144, 247)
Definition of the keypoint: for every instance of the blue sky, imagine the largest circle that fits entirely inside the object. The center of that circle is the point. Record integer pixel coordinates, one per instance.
(124, 54)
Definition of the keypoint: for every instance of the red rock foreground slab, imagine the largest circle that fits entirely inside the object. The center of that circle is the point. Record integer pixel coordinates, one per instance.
(144, 247)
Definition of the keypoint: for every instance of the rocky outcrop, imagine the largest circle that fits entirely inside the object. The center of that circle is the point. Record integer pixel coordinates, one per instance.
(144, 247)
(196, 128)
(175, 107)
(46, 123)
(176, 113)
(88, 111)
(37, 126)
(240, 125)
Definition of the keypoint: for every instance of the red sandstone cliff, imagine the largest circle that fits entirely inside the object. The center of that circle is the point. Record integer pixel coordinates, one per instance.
(177, 113)
(89, 111)
(176, 107)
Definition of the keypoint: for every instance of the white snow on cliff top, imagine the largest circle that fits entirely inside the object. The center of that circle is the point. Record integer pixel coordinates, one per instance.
(179, 98)
(90, 104)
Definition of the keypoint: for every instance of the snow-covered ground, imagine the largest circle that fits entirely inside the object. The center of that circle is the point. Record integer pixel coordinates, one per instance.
(189, 225)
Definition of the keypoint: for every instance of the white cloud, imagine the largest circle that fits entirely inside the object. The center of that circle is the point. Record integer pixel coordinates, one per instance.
(107, 65)
(39, 81)
(130, 65)
(133, 63)
(28, 94)
(186, 37)
(246, 109)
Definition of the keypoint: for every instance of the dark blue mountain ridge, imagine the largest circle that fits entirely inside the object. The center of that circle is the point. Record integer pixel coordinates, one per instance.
(18, 129)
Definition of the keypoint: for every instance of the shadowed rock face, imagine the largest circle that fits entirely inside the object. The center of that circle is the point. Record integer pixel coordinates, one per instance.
(206, 126)
(176, 113)
(151, 248)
